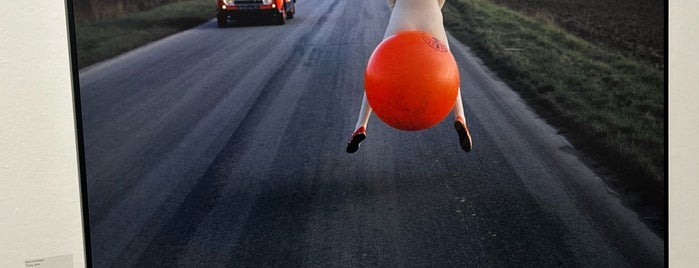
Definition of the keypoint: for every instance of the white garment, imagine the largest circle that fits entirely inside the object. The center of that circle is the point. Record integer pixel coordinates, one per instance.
(391, 3)
(417, 15)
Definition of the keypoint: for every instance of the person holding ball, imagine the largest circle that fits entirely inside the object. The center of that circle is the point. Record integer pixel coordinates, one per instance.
(414, 61)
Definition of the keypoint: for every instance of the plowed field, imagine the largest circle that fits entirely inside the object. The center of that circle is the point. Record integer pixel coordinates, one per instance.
(634, 27)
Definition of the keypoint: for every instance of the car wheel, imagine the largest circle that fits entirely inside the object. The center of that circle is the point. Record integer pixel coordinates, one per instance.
(222, 20)
(281, 20)
(291, 13)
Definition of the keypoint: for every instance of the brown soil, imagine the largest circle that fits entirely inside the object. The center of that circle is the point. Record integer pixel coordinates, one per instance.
(636, 28)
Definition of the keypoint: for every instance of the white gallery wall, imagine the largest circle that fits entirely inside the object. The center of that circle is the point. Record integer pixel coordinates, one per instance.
(683, 122)
(40, 215)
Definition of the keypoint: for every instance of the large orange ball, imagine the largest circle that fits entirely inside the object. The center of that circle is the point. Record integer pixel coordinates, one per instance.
(411, 81)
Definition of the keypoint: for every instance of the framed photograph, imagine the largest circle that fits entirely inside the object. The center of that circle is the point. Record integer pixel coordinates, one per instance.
(256, 133)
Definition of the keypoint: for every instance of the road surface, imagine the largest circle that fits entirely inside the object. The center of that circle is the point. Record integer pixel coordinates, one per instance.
(226, 147)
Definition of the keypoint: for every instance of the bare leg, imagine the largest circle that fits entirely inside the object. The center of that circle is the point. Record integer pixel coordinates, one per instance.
(360, 128)
(460, 124)
(458, 106)
(459, 117)
(365, 111)
(364, 114)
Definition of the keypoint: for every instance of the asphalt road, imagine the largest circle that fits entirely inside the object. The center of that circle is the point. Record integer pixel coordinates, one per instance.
(226, 147)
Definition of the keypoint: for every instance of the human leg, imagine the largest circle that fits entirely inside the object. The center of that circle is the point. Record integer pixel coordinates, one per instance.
(360, 128)
(460, 124)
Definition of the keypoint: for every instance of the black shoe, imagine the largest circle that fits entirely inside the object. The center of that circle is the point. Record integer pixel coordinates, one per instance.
(358, 136)
(464, 135)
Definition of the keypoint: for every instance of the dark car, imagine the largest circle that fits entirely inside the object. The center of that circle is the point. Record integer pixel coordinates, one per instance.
(279, 10)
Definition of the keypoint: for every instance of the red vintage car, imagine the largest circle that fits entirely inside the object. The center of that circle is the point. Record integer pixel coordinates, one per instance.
(279, 10)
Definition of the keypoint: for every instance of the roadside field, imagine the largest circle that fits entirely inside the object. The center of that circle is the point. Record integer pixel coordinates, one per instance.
(609, 105)
(635, 28)
(103, 39)
(93, 10)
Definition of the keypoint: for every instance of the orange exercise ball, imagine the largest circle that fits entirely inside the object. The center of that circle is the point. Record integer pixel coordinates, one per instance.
(411, 81)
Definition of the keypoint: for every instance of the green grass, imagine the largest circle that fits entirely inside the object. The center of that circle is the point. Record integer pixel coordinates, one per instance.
(97, 41)
(608, 105)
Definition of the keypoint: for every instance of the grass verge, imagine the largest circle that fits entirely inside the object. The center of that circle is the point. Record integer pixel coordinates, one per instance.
(97, 41)
(609, 106)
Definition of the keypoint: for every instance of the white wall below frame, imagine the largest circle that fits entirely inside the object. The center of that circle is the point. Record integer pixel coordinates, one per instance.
(40, 215)
(683, 122)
